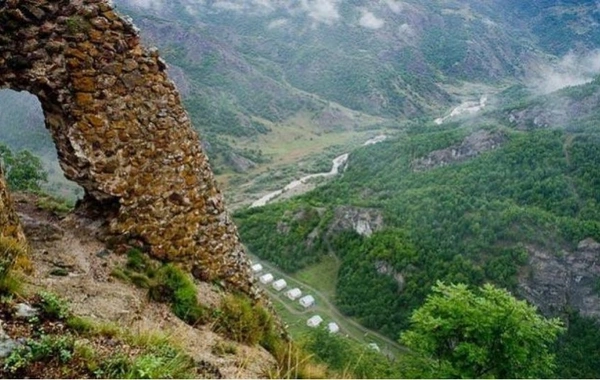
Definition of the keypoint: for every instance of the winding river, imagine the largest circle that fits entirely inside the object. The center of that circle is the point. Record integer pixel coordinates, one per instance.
(468, 108)
(338, 162)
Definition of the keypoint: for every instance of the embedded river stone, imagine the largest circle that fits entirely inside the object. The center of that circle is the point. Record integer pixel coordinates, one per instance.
(121, 132)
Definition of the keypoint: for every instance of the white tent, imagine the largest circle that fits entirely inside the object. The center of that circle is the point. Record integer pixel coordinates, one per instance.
(293, 293)
(374, 347)
(279, 284)
(266, 278)
(307, 301)
(257, 268)
(333, 327)
(314, 321)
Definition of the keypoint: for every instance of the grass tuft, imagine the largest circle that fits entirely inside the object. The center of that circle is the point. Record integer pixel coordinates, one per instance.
(241, 320)
(13, 256)
(166, 283)
(171, 285)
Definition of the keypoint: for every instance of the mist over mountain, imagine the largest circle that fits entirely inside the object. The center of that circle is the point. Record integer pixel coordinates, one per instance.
(246, 68)
(485, 164)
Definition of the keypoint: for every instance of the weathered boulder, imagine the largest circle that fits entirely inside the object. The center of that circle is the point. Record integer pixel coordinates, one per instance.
(121, 133)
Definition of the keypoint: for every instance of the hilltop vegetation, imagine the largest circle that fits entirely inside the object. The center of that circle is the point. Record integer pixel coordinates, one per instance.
(473, 201)
(460, 219)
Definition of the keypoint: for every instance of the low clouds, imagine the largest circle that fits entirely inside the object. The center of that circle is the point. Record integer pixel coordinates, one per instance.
(147, 3)
(571, 70)
(325, 11)
(277, 23)
(395, 6)
(250, 6)
(369, 20)
(318, 12)
(229, 5)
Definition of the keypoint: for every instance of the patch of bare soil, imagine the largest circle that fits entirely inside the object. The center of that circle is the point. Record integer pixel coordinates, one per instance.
(70, 261)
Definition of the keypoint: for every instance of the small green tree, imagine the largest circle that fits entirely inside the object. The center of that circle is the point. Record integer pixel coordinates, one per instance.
(486, 333)
(23, 170)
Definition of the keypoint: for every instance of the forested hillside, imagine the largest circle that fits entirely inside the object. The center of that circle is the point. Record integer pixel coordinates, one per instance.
(253, 73)
(462, 203)
(504, 192)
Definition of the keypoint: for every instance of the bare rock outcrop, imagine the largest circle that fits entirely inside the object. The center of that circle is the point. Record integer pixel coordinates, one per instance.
(363, 220)
(472, 146)
(573, 279)
(121, 133)
(384, 268)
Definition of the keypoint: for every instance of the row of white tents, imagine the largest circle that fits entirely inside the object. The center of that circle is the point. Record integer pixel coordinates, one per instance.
(293, 294)
(279, 285)
(316, 320)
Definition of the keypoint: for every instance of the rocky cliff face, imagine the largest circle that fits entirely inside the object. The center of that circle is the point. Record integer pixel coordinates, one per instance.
(571, 280)
(472, 146)
(364, 221)
(121, 133)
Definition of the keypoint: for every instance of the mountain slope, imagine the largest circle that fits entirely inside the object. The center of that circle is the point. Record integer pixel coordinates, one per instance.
(514, 203)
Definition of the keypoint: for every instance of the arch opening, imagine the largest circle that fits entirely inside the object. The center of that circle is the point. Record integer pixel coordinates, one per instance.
(120, 132)
(22, 128)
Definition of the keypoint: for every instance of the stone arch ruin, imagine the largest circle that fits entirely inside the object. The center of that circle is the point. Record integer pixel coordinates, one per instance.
(120, 131)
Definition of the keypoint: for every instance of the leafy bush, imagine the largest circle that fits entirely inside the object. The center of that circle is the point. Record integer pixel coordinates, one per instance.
(348, 357)
(482, 333)
(237, 320)
(136, 260)
(161, 365)
(53, 204)
(53, 306)
(49, 348)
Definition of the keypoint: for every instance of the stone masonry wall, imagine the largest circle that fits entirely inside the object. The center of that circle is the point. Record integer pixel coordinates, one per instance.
(9, 220)
(121, 131)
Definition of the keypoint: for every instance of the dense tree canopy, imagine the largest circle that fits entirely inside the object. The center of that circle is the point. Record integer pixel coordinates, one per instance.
(482, 333)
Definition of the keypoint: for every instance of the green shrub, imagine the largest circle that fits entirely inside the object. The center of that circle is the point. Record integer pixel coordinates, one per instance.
(53, 306)
(23, 170)
(115, 367)
(166, 284)
(177, 288)
(48, 348)
(162, 364)
(81, 325)
(54, 205)
(240, 320)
